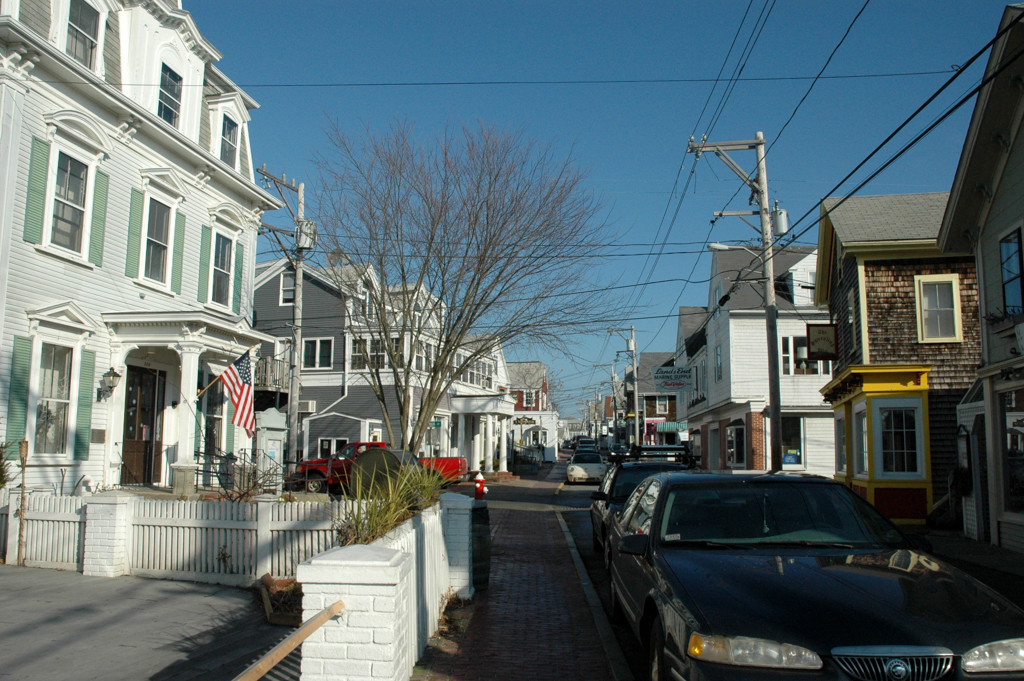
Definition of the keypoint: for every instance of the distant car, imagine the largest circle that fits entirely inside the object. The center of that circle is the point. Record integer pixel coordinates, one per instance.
(586, 443)
(619, 482)
(780, 576)
(619, 449)
(585, 467)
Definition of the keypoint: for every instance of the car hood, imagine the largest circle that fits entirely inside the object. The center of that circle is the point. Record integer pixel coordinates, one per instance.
(838, 598)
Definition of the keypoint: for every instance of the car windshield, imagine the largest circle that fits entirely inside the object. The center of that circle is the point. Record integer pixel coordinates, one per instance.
(629, 477)
(773, 514)
(587, 458)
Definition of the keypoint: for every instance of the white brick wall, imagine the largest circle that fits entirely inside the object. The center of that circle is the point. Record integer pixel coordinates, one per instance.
(107, 519)
(458, 538)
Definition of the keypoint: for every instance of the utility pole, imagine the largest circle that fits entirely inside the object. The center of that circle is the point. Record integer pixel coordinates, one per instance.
(305, 239)
(631, 348)
(615, 403)
(759, 188)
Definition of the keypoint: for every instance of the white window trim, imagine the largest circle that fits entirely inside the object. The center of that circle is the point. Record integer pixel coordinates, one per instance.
(952, 278)
(318, 340)
(229, 105)
(281, 289)
(76, 342)
(232, 237)
(879, 403)
(173, 199)
(719, 362)
(59, 137)
(860, 408)
(657, 404)
(59, 30)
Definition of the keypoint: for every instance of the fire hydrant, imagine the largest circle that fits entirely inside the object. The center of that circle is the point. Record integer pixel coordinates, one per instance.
(480, 489)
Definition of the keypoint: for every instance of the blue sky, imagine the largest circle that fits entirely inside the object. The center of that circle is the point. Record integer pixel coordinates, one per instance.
(623, 86)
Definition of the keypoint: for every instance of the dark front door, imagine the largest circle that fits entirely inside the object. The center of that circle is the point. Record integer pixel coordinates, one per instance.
(142, 444)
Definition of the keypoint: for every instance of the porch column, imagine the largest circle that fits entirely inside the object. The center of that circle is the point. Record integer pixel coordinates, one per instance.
(462, 438)
(184, 467)
(489, 444)
(503, 445)
(476, 444)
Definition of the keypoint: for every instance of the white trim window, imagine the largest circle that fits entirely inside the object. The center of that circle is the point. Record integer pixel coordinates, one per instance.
(158, 234)
(69, 210)
(83, 34)
(317, 353)
(898, 438)
(1011, 268)
(54, 402)
(169, 103)
(661, 404)
(937, 297)
(229, 142)
(718, 363)
(287, 291)
(794, 358)
(860, 440)
(840, 441)
(529, 399)
(222, 268)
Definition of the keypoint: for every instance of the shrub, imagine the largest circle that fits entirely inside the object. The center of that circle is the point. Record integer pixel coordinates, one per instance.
(376, 503)
(5, 466)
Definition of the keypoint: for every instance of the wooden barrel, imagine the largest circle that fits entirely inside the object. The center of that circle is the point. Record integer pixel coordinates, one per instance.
(481, 546)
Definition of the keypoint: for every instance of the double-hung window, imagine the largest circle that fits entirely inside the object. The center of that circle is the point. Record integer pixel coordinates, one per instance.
(158, 241)
(83, 33)
(317, 353)
(938, 308)
(718, 363)
(69, 192)
(54, 404)
(169, 103)
(229, 141)
(360, 356)
(287, 288)
(1010, 268)
(223, 248)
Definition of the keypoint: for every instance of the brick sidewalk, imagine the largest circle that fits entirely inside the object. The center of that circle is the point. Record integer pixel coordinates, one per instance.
(533, 622)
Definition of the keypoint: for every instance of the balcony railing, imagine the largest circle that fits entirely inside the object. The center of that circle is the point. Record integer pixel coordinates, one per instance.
(270, 374)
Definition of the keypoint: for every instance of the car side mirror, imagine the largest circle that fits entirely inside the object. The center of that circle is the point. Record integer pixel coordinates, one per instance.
(634, 544)
(599, 496)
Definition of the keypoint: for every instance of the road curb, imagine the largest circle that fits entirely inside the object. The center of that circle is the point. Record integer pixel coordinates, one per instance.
(616, 659)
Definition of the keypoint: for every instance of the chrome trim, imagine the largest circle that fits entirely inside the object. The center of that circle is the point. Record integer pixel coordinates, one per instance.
(894, 663)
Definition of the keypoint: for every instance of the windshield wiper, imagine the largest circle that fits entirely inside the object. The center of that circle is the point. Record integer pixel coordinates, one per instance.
(802, 543)
(705, 544)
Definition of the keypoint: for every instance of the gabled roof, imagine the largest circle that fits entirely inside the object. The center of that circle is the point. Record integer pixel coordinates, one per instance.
(891, 217)
(691, 319)
(528, 375)
(991, 135)
(269, 269)
(736, 262)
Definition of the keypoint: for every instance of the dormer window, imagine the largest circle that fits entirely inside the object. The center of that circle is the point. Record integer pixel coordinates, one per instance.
(229, 142)
(169, 105)
(83, 32)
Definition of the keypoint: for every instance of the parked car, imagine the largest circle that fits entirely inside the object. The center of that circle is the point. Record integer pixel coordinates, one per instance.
(775, 576)
(585, 467)
(331, 474)
(619, 482)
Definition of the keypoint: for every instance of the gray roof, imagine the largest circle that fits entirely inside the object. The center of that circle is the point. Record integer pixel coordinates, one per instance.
(892, 217)
(645, 362)
(737, 262)
(529, 375)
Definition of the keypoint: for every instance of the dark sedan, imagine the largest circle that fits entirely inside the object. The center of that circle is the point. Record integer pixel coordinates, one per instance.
(781, 576)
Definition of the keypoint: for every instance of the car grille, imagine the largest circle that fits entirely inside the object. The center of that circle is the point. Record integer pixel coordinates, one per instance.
(894, 664)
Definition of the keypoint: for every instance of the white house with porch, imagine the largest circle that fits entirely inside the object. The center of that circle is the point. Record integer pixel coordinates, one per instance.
(128, 227)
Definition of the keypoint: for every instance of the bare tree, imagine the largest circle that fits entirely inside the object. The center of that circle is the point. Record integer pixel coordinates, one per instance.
(475, 240)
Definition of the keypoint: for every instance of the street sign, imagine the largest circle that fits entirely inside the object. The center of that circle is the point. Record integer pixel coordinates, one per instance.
(672, 379)
(524, 421)
(435, 424)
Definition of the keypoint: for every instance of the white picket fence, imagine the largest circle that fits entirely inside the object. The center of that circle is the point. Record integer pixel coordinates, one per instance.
(217, 542)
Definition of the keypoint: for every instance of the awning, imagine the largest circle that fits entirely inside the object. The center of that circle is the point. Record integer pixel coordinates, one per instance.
(671, 426)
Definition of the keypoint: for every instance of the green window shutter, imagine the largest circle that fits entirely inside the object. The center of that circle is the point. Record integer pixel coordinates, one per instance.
(229, 427)
(204, 264)
(83, 418)
(35, 198)
(17, 395)
(99, 218)
(131, 267)
(179, 252)
(236, 296)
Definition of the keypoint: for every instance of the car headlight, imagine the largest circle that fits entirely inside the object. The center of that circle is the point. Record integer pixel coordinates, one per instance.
(999, 656)
(751, 652)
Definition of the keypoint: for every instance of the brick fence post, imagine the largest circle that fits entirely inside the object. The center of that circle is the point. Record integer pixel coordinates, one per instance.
(457, 522)
(369, 639)
(108, 517)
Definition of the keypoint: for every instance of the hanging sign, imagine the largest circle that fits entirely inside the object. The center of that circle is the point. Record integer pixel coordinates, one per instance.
(672, 379)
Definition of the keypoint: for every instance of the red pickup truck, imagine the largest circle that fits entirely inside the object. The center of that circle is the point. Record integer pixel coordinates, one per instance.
(332, 474)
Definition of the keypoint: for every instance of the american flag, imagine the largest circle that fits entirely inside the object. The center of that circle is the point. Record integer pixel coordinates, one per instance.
(238, 379)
